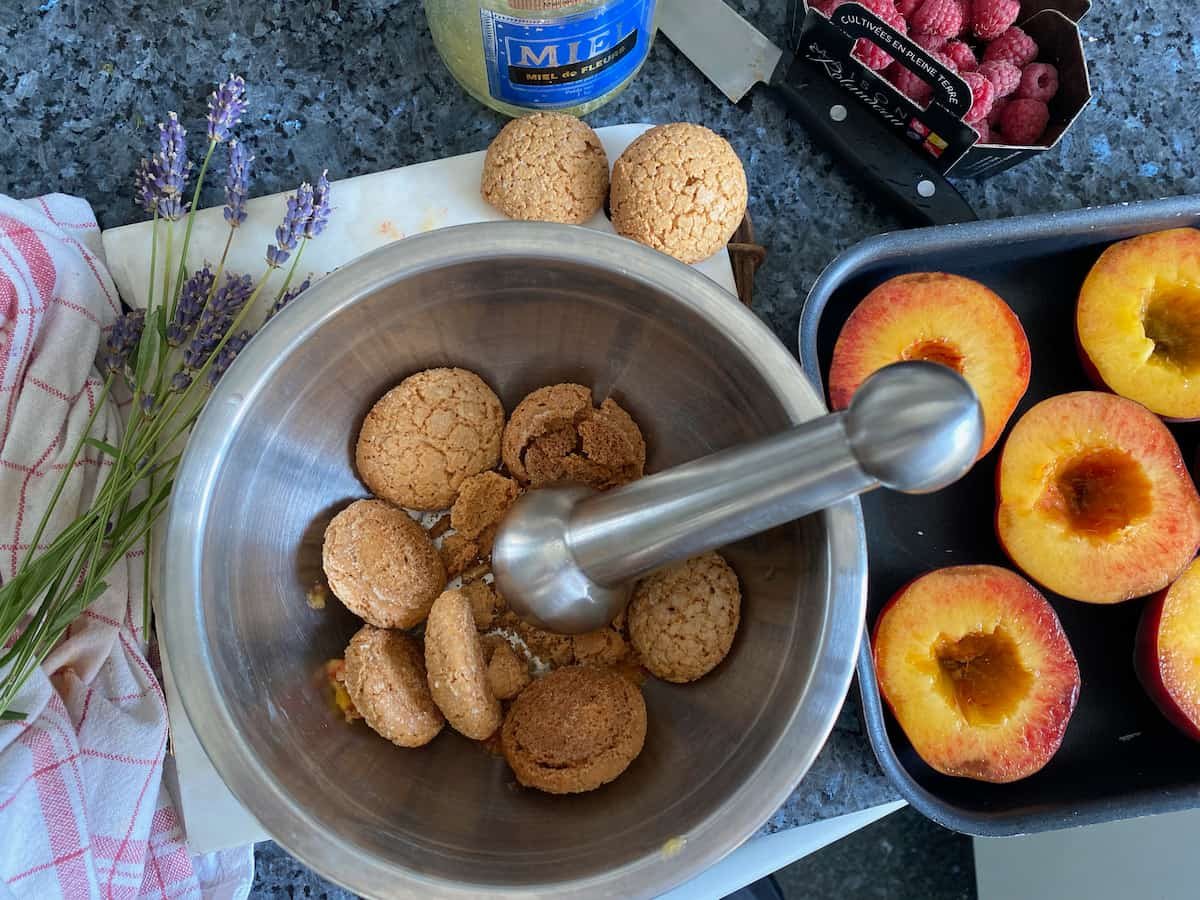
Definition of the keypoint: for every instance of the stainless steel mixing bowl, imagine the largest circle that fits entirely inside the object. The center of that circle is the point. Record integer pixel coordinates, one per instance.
(271, 460)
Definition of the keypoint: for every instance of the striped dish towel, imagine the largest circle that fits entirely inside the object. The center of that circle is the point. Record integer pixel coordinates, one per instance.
(83, 808)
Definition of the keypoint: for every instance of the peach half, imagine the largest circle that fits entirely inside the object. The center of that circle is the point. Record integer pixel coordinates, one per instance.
(1167, 657)
(976, 668)
(1138, 321)
(939, 318)
(1094, 500)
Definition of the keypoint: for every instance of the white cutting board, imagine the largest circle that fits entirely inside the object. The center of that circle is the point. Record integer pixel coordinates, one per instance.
(369, 212)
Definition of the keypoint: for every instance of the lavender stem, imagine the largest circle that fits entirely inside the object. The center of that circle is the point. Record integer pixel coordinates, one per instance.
(287, 279)
(221, 263)
(167, 269)
(153, 259)
(187, 233)
(66, 473)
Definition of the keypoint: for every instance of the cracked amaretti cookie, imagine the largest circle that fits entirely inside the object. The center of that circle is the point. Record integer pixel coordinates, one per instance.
(457, 668)
(425, 436)
(682, 619)
(556, 434)
(548, 167)
(574, 730)
(385, 678)
(680, 189)
(381, 564)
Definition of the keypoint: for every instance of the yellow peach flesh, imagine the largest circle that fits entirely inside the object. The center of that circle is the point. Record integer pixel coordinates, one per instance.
(1138, 321)
(1094, 500)
(976, 668)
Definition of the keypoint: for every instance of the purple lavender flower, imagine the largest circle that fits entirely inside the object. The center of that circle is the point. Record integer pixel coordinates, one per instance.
(230, 296)
(202, 344)
(237, 184)
(228, 353)
(216, 319)
(144, 190)
(192, 300)
(287, 297)
(123, 339)
(170, 168)
(147, 404)
(181, 381)
(295, 219)
(225, 107)
(321, 207)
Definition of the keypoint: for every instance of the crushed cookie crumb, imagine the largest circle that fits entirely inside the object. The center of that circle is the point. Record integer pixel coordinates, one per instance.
(556, 434)
(317, 596)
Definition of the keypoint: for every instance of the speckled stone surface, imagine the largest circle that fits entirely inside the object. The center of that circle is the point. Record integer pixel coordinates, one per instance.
(356, 86)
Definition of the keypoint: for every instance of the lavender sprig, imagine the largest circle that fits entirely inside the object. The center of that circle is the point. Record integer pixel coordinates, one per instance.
(228, 353)
(145, 186)
(170, 168)
(123, 339)
(51, 587)
(217, 318)
(225, 108)
(295, 220)
(321, 207)
(181, 380)
(237, 184)
(192, 300)
(231, 296)
(287, 297)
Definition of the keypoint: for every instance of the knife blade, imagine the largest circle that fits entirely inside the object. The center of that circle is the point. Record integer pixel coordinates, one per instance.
(736, 56)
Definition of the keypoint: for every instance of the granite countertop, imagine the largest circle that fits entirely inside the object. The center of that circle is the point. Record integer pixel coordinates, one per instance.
(356, 86)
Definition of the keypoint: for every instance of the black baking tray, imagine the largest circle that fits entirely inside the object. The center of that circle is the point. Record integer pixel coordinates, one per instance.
(1119, 758)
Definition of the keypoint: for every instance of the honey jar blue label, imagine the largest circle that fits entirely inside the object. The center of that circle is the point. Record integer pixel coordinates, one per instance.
(554, 63)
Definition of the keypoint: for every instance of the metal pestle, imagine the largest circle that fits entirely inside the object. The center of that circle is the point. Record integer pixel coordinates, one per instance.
(565, 557)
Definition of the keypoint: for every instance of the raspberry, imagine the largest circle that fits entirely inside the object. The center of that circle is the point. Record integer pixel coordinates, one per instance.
(1024, 121)
(983, 94)
(998, 108)
(931, 42)
(991, 18)
(963, 56)
(940, 17)
(945, 61)
(912, 87)
(871, 56)
(1014, 46)
(967, 15)
(865, 51)
(906, 8)
(983, 130)
(1004, 76)
(885, 9)
(1039, 81)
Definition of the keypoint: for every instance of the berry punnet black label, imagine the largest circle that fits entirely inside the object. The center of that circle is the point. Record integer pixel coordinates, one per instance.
(936, 131)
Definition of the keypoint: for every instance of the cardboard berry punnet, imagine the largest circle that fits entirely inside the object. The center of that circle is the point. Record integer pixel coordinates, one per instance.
(938, 129)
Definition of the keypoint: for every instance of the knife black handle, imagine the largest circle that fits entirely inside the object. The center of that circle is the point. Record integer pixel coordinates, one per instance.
(889, 169)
